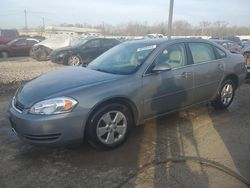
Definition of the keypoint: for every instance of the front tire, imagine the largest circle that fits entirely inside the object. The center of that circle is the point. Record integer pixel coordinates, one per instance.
(74, 60)
(109, 127)
(225, 96)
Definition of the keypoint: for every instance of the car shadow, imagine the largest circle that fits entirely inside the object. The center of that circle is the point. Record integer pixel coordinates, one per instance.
(233, 127)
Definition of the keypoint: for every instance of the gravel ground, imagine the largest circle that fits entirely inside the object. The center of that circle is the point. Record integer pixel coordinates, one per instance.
(150, 156)
(15, 71)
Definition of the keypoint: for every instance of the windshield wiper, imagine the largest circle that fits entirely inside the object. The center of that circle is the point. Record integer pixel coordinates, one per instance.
(101, 70)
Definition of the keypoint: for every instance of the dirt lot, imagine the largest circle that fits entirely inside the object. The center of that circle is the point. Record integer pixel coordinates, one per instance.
(199, 147)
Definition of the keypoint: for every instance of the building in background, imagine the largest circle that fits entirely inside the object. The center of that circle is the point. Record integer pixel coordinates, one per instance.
(52, 30)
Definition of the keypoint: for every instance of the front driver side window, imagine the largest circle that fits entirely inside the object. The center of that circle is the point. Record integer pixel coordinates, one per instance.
(174, 56)
(21, 42)
(93, 44)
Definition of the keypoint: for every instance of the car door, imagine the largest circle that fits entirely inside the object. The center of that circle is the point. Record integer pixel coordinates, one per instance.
(208, 70)
(19, 47)
(169, 90)
(90, 50)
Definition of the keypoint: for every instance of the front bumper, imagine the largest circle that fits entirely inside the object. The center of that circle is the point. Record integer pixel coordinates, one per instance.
(56, 129)
(57, 59)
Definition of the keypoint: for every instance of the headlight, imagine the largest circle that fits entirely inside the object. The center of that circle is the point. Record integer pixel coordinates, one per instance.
(62, 54)
(53, 106)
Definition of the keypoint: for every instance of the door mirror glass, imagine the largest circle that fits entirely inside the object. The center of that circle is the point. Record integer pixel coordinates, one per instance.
(161, 67)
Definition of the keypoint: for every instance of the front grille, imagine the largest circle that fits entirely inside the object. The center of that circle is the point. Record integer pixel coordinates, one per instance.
(18, 105)
(47, 137)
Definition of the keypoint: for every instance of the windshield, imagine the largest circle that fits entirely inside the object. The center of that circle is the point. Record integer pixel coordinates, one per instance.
(123, 59)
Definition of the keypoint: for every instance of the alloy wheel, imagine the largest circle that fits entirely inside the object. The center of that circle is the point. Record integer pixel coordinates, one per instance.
(74, 60)
(227, 94)
(111, 127)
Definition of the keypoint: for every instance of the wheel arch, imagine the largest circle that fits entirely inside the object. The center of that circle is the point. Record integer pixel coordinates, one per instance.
(234, 78)
(120, 100)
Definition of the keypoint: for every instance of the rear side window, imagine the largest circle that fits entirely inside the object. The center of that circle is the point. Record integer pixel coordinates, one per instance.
(220, 53)
(201, 52)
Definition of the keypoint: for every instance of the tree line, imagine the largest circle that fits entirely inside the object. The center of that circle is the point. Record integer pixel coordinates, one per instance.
(179, 28)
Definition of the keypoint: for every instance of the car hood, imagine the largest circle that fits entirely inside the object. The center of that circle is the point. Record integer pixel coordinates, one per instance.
(56, 42)
(60, 50)
(58, 81)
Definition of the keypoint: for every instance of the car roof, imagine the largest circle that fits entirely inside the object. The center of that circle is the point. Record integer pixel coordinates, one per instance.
(165, 41)
(101, 38)
(220, 40)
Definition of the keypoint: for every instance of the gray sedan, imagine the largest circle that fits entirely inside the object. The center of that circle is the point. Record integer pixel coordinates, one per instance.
(132, 82)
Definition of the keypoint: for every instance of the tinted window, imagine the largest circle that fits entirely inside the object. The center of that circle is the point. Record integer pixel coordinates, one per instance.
(174, 55)
(201, 52)
(108, 43)
(31, 42)
(21, 42)
(93, 44)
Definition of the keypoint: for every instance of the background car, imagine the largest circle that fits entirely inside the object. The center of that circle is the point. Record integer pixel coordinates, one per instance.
(83, 51)
(229, 45)
(233, 39)
(7, 35)
(41, 50)
(246, 54)
(130, 83)
(17, 47)
(245, 42)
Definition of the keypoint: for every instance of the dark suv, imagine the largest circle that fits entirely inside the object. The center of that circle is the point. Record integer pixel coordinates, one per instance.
(7, 35)
(83, 51)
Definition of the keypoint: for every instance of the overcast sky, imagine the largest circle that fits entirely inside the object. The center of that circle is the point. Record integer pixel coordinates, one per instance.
(234, 12)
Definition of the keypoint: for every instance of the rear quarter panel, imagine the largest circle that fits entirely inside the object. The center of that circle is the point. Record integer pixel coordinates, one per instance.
(234, 64)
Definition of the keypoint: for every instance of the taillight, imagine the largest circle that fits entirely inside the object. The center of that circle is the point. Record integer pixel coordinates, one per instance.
(245, 59)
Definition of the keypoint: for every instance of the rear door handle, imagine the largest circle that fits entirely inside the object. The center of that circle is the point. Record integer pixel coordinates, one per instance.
(221, 66)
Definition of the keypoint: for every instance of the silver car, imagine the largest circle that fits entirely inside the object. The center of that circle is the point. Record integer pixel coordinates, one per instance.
(132, 82)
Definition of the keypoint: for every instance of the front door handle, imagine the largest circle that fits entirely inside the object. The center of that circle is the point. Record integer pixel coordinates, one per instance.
(185, 75)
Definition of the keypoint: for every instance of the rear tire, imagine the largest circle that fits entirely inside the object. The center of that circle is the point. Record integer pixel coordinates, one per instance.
(225, 96)
(109, 127)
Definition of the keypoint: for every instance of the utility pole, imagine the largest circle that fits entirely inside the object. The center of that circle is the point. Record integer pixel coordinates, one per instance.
(43, 24)
(43, 30)
(103, 29)
(170, 18)
(25, 19)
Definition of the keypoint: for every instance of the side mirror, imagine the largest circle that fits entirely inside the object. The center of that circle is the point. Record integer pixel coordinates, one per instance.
(161, 67)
